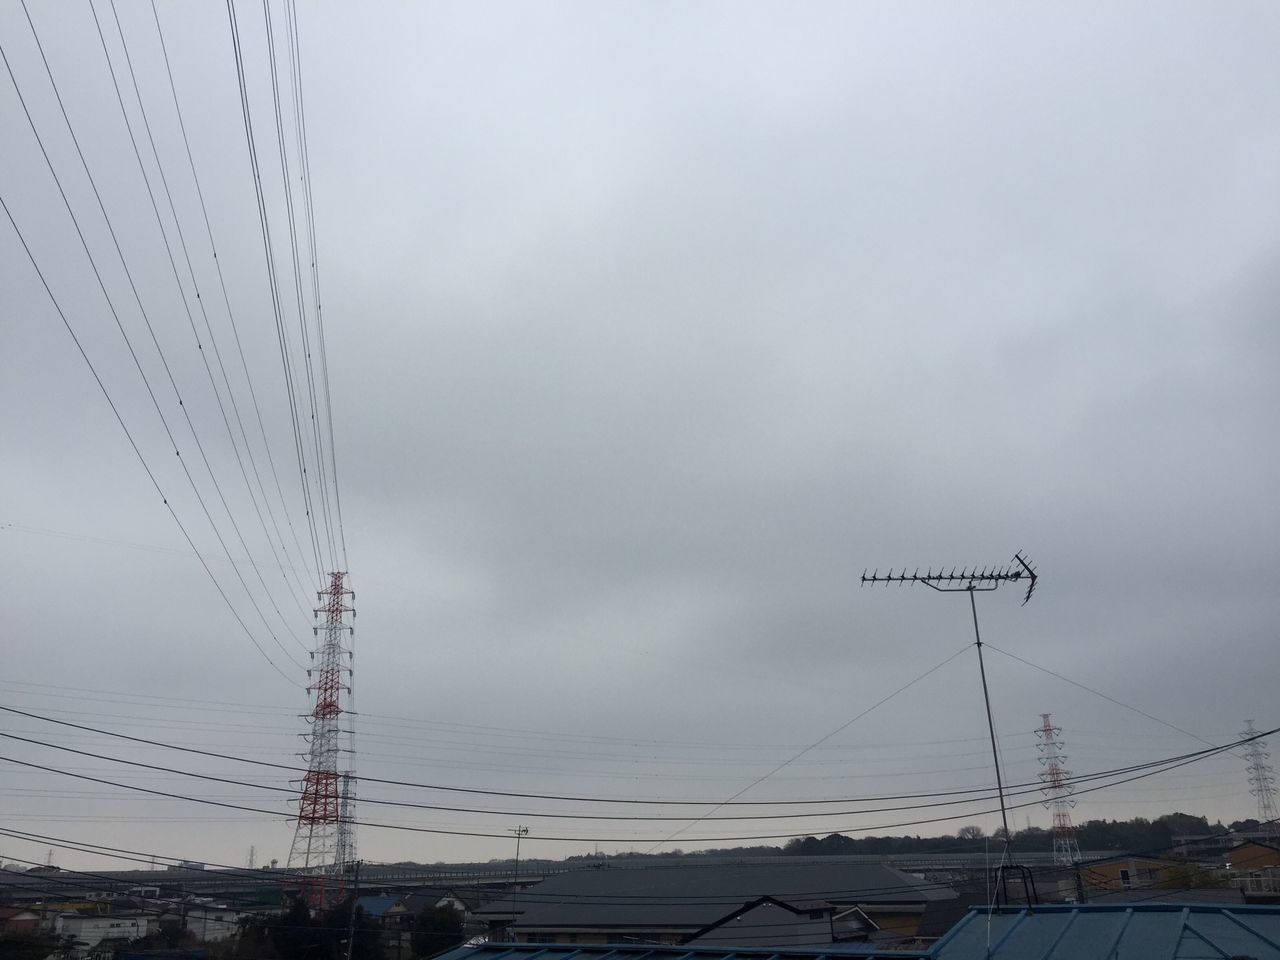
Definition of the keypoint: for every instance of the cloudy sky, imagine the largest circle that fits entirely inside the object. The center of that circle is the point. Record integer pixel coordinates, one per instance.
(649, 327)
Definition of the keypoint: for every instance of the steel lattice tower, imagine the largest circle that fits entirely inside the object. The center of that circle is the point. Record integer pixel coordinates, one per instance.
(1057, 790)
(1262, 779)
(318, 836)
(346, 851)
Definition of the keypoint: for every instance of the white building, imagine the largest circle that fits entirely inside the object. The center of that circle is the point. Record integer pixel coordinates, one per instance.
(209, 924)
(86, 931)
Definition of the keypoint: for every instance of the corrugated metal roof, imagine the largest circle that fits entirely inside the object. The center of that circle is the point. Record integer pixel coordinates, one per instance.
(562, 951)
(1149, 931)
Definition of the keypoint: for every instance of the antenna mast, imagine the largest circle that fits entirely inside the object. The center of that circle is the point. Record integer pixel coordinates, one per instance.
(972, 580)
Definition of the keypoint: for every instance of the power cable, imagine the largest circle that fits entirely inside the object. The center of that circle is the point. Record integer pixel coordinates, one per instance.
(1164, 767)
(213, 342)
(515, 813)
(1098, 693)
(235, 330)
(291, 12)
(137, 363)
(129, 435)
(796, 756)
(1036, 784)
(273, 284)
(291, 220)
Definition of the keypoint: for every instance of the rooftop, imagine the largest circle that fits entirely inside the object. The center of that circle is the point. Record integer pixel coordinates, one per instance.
(1147, 931)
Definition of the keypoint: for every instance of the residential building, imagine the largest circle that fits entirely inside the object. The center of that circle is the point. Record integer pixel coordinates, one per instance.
(86, 930)
(676, 903)
(19, 921)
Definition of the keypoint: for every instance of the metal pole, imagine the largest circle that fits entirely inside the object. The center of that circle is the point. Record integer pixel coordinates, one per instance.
(991, 729)
(515, 879)
(351, 926)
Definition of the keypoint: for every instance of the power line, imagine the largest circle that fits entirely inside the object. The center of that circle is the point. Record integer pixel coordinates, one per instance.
(115, 315)
(796, 756)
(1098, 693)
(124, 114)
(291, 221)
(514, 813)
(1148, 770)
(235, 330)
(291, 11)
(129, 436)
(1034, 784)
(273, 284)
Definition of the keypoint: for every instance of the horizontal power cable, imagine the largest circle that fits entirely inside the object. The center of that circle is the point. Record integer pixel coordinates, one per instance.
(522, 813)
(1168, 765)
(984, 791)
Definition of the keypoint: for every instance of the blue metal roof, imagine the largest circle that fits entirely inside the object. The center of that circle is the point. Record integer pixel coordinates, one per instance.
(1148, 931)
(642, 951)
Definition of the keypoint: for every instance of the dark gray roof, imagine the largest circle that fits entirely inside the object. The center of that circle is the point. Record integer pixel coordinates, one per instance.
(1150, 931)
(691, 897)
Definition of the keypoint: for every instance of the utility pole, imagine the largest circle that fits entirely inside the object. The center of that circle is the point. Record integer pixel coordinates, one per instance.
(972, 580)
(515, 876)
(351, 923)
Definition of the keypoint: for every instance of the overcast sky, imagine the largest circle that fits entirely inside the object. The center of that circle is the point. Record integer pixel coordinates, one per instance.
(649, 327)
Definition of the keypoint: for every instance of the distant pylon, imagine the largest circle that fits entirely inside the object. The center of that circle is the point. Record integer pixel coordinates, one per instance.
(1057, 790)
(315, 840)
(1262, 780)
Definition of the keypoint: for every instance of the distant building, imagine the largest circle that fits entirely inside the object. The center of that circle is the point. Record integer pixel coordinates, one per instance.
(85, 931)
(1127, 873)
(18, 921)
(208, 923)
(1251, 855)
(677, 903)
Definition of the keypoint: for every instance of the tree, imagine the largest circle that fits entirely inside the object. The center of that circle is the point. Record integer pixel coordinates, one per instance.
(435, 930)
(970, 832)
(1191, 876)
(1184, 824)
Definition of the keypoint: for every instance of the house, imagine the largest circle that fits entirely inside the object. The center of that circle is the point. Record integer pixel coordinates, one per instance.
(86, 930)
(209, 923)
(402, 912)
(1143, 931)
(781, 923)
(672, 904)
(376, 907)
(1128, 873)
(1255, 869)
(18, 921)
(1251, 855)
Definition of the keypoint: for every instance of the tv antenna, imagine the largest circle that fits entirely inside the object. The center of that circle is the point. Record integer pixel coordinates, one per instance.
(973, 580)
